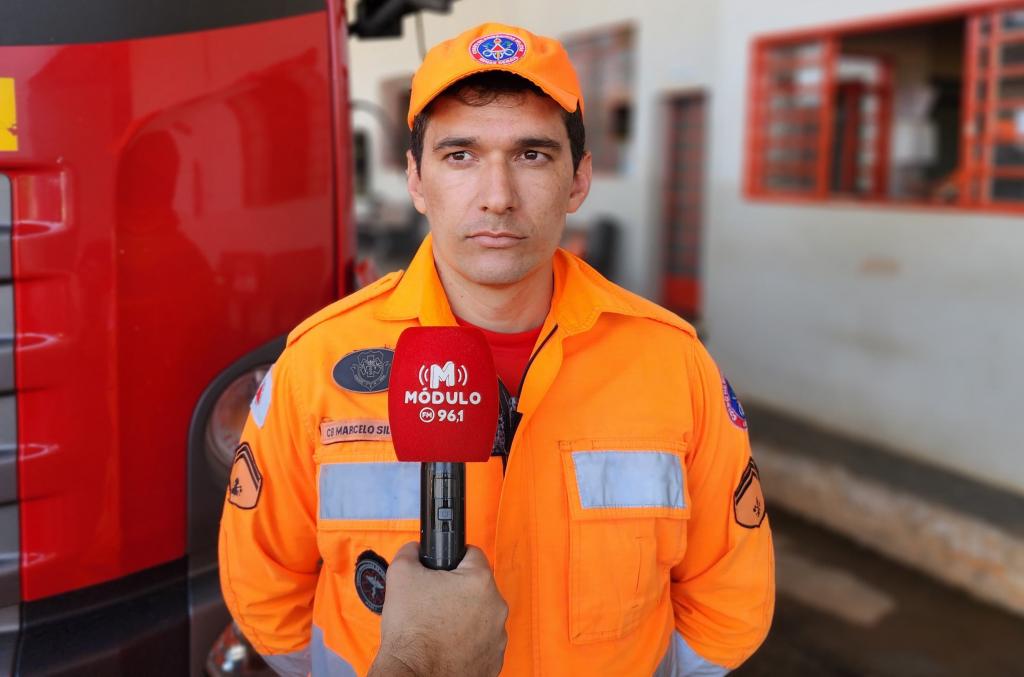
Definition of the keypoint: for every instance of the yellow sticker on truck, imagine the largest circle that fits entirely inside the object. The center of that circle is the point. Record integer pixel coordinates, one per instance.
(8, 116)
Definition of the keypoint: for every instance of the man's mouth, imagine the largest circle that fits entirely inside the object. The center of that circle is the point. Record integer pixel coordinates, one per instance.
(496, 239)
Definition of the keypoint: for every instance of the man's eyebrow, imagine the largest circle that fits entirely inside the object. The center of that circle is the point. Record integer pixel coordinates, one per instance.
(471, 142)
(538, 142)
(455, 142)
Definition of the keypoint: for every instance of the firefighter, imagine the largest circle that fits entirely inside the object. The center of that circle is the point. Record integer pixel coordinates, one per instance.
(622, 529)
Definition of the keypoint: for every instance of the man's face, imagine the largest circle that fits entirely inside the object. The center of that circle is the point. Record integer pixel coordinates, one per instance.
(496, 183)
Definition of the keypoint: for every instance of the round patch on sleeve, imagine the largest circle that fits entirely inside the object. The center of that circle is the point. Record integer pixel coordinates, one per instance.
(748, 499)
(371, 575)
(733, 406)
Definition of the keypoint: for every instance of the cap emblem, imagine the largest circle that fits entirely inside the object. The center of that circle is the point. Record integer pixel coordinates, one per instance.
(498, 49)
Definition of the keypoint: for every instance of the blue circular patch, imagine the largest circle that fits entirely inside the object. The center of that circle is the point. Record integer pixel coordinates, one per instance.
(371, 575)
(498, 49)
(733, 406)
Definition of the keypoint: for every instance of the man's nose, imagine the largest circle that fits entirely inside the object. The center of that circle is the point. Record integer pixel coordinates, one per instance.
(498, 194)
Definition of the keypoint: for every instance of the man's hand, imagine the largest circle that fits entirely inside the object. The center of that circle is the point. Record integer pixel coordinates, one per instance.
(440, 623)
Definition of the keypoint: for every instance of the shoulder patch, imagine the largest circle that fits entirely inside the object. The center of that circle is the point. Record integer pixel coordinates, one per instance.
(371, 577)
(748, 499)
(367, 293)
(246, 482)
(733, 406)
(364, 371)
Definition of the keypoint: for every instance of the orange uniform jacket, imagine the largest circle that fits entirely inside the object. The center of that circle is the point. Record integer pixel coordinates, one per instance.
(627, 534)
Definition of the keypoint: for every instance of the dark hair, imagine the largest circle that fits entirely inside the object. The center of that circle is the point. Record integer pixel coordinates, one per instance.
(482, 89)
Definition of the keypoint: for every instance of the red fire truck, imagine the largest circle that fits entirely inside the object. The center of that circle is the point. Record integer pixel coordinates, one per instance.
(175, 195)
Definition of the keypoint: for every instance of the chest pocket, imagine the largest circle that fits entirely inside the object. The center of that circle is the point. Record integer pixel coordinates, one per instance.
(366, 501)
(628, 509)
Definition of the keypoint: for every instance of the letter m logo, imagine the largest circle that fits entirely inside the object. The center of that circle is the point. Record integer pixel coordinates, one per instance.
(445, 373)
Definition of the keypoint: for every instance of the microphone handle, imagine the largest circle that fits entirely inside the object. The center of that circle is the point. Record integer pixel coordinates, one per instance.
(442, 515)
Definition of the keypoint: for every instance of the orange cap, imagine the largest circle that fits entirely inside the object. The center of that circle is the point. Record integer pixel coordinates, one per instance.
(497, 47)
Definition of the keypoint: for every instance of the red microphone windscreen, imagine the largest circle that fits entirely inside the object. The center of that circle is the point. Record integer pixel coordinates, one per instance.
(443, 395)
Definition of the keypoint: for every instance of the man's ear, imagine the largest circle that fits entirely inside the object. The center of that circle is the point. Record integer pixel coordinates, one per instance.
(581, 183)
(412, 180)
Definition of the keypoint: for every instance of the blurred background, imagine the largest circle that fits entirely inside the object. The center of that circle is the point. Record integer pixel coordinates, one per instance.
(833, 195)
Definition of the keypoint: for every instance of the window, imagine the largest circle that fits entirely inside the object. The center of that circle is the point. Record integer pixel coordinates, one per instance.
(919, 111)
(604, 63)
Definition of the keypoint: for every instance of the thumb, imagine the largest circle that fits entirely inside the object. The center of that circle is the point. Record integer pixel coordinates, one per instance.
(474, 559)
(407, 555)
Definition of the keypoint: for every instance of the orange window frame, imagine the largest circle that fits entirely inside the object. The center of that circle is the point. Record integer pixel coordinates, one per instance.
(981, 128)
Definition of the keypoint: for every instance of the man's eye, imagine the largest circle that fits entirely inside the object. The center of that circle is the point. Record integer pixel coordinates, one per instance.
(533, 155)
(458, 155)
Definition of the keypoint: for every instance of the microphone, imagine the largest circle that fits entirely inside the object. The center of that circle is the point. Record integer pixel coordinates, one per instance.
(443, 411)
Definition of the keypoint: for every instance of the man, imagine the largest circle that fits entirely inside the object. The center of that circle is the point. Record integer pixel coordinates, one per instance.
(624, 521)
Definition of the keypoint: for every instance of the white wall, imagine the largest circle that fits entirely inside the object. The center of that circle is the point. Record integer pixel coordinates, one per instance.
(902, 326)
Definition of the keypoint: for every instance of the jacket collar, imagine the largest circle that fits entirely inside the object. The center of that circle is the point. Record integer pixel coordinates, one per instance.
(580, 296)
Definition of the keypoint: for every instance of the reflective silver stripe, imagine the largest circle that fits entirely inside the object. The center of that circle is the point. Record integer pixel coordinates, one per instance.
(326, 663)
(682, 661)
(629, 479)
(370, 491)
(294, 664)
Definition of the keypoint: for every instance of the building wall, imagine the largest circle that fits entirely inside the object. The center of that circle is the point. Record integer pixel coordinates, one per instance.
(900, 326)
(897, 325)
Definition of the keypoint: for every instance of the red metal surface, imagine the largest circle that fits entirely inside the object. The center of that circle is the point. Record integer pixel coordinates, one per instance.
(173, 208)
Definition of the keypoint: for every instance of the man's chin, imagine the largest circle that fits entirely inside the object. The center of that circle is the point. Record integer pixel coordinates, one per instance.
(496, 278)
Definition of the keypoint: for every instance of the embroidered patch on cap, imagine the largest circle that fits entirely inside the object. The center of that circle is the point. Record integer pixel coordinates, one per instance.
(246, 482)
(498, 49)
(354, 431)
(732, 405)
(260, 404)
(371, 574)
(748, 499)
(365, 371)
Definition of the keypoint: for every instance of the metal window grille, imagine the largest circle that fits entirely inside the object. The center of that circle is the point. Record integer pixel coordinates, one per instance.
(812, 133)
(992, 161)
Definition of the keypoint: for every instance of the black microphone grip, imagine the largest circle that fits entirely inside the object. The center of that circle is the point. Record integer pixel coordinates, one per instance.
(442, 515)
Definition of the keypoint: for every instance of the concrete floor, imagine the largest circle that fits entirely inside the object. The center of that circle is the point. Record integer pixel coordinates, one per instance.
(843, 611)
